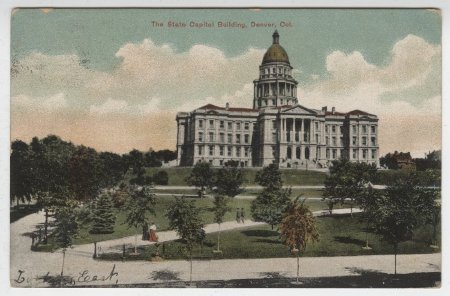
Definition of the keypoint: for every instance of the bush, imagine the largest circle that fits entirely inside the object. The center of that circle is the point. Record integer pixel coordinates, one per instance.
(161, 178)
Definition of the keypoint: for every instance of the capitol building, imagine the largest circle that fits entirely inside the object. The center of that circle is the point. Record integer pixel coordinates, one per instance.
(277, 129)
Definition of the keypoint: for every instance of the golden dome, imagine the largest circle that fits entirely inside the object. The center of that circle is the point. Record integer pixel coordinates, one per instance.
(275, 53)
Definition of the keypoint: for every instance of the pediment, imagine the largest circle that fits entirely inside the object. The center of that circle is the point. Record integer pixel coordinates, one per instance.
(300, 110)
(212, 112)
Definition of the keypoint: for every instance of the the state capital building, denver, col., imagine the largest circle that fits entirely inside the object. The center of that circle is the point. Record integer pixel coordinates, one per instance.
(277, 129)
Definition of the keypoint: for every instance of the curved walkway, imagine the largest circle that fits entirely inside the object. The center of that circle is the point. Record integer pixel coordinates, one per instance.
(27, 266)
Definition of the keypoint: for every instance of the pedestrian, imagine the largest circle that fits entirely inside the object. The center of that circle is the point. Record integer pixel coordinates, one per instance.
(242, 215)
(153, 237)
(145, 231)
(238, 215)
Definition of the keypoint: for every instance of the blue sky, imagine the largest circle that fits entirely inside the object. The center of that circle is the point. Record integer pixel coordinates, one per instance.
(112, 70)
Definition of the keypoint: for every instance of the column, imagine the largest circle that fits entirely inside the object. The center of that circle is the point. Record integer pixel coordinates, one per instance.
(310, 131)
(302, 132)
(295, 130)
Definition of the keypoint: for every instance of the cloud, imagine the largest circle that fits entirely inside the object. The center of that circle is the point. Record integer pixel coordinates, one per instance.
(43, 104)
(110, 106)
(405, 92)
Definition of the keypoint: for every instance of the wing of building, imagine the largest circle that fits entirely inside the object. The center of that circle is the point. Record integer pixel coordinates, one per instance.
(277, 129)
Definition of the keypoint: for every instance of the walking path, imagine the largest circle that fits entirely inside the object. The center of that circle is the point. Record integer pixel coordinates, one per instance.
(28, 266)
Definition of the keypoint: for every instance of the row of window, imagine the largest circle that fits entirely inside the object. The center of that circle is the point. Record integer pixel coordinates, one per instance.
(225, 150)
(238, 138)
(364, 128)
(212, 124)
(365, 153)
(373, 141)
(274, 71)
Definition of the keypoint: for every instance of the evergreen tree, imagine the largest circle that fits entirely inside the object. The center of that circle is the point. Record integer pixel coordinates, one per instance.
(104, 217)
(272, 201)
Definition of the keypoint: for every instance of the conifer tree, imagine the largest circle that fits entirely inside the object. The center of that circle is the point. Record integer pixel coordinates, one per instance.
(104, 217)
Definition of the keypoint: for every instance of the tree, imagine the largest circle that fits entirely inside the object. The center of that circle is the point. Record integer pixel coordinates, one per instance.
(298, 227)
(271, 202)
(113, 168)
(229, 180)
(368, 202)
(347, 181)
(397, 215)
(269, 177)
(184, 218)
(202, 176)
(220, 209)
(21, 172)
(104, 217)
(139, 206)
(120, 196)
(66, 228)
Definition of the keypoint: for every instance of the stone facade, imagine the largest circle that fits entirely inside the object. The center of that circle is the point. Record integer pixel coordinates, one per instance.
(277, 129)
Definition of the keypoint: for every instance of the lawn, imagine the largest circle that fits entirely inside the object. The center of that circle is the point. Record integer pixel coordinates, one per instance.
(206, 204)
(178, 175)
(339, 236)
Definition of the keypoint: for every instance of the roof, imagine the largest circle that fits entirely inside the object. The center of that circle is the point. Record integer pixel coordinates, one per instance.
(275, 53)
(359, 112)
(214, 107)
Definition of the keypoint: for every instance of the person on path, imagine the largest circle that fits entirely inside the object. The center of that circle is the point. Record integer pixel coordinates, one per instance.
(153, 237)
(238, 215)
(242, 215)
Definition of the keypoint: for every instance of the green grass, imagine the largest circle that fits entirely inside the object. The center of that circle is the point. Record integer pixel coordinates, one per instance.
(206, 204)
(178, 175)
(339, 236)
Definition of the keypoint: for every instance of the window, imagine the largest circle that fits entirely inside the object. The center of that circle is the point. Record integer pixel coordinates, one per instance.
(334, 153)
(274, 102)
(246, 151)
(372, 129)
(274, 124)
(327, 140)
(230, 125)
(364, 141)
(279, 70)
(354, 129)
(222, 138)
(200, 137)
(364, 129)
(274, 70)
(238, 151)
(238, 139)
(211, 123)
(354, 141)
(221, 149)
(316, 125)
(211, 137)
(211, 150)
(229, 151)
(341, 129)
(326, 128)
(200, 123)
(374, 153)
(274, 151)
(364, 154)
(341, 141)
(327, 153)
(334, 141)
(354, 153)
(230, 138)
(246, 126)
(246, 139)
(333, 129)
(222, 124)
(373, 141)
(238, 125)
(317, 138)
(221, 162)
(200, 150)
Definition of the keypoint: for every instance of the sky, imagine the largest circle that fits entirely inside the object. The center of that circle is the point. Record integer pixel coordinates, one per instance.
(112, 80)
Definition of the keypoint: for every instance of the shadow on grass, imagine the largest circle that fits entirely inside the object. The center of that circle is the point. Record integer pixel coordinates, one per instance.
(164, 275)
(260, 232)
(348, 240)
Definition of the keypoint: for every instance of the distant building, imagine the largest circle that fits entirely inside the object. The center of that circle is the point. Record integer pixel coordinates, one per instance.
(277, 129)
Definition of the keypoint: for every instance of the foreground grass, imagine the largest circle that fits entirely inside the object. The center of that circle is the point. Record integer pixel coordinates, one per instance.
(121, 228)
(339, 236)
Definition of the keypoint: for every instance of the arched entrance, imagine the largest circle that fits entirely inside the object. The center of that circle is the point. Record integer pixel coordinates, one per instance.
(307, 153)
